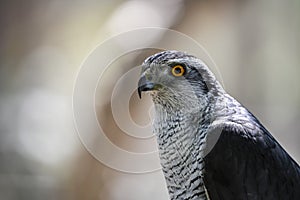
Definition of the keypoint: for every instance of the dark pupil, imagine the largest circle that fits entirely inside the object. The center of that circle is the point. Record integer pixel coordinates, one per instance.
(177, 70)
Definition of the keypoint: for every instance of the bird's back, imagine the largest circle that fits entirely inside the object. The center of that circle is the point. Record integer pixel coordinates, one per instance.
(248, 165)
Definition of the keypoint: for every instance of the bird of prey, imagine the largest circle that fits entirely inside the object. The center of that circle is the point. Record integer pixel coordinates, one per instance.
(210, 146)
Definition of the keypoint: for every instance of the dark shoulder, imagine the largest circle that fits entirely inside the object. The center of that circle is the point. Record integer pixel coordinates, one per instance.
(250, 164)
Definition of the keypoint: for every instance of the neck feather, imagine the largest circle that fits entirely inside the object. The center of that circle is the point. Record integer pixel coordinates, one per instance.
(181, 141)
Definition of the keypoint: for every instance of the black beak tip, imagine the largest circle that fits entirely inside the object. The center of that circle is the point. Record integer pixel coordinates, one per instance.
(140, 92)
(144, 85)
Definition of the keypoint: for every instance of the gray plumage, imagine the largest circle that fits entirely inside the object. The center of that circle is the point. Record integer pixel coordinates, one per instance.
(210, 146)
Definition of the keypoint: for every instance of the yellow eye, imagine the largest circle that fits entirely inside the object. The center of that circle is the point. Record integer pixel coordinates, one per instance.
(178, 70)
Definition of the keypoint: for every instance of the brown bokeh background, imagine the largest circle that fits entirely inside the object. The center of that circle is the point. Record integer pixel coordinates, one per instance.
(254, 43)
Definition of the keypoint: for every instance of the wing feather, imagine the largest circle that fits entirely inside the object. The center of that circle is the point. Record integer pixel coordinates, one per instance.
(248, 165)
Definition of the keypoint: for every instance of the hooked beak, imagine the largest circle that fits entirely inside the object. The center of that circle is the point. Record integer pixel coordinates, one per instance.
(145, 85)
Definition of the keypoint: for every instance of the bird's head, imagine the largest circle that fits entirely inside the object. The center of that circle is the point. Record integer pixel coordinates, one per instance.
(177, 80)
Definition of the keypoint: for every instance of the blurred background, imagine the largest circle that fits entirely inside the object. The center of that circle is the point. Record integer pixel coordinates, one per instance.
(254, 43)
